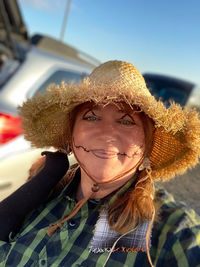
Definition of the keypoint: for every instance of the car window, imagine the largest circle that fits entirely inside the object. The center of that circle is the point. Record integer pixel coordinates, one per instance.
(59, 76)
(167, 89)
(167, 93)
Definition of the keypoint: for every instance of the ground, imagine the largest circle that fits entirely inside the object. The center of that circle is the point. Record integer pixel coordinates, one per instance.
(186, 188)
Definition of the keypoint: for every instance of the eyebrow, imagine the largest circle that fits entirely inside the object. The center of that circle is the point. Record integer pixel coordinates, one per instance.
(125, 112)
(129, 115)
(119, 110)
(88, 110)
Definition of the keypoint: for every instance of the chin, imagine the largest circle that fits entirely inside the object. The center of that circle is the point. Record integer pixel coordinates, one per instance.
(106, 171)
(105, 174)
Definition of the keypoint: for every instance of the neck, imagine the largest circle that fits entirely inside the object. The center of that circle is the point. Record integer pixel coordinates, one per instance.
(84, 188)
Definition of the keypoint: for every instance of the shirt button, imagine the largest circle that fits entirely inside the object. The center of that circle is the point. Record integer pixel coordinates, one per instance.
(42, 262)
(72, 223)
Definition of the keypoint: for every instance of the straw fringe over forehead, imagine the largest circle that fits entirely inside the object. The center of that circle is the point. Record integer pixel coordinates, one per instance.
(176, 143)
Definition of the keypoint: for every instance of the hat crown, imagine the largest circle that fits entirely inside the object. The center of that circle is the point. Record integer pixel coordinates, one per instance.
(117, 73)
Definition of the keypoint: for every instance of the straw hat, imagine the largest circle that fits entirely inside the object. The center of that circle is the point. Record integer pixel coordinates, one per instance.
(176, 143)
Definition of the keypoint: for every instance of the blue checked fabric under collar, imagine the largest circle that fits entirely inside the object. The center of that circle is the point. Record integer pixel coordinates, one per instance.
(104, 238)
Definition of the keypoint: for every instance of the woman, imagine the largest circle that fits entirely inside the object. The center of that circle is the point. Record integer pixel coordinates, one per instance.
(104, 208)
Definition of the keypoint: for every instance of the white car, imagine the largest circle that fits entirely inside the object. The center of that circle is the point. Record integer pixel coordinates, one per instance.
(26, 69)
(39, 70)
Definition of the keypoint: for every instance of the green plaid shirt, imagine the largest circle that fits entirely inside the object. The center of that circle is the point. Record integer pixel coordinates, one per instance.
(175, 237)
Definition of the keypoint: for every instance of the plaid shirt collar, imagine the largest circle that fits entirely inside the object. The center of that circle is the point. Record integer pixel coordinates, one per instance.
(104, 238)
(107, 201)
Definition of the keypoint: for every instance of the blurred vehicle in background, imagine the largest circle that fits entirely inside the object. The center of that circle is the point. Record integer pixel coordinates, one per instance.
(169, 88)
(27, 67)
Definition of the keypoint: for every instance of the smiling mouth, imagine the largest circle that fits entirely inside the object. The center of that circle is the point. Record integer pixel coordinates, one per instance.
(104, 154)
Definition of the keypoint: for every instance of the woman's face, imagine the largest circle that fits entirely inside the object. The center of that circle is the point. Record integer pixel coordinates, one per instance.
(107, 141)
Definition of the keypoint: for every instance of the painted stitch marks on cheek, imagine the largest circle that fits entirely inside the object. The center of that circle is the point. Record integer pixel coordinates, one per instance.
(138, 152)
(107, 154)
(82, 147)
(99, 153)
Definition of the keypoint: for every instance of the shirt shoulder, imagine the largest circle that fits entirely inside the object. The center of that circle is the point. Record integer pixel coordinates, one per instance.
(176, 233)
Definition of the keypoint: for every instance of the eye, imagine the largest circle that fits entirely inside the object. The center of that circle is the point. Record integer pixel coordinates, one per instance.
(126, 120)
(91, 118)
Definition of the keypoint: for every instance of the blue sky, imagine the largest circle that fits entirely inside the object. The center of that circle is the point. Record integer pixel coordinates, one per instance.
(157, 36)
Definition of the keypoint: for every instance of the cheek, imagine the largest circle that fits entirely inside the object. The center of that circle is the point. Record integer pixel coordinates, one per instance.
(78, 132)
(76, 135)
(135, 140)
(81, 138)
(78, 143)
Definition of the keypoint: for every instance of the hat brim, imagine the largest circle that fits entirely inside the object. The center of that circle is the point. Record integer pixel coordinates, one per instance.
(176, 145)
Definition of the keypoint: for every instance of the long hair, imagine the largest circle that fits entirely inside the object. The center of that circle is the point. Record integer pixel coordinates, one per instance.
(136, 205)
